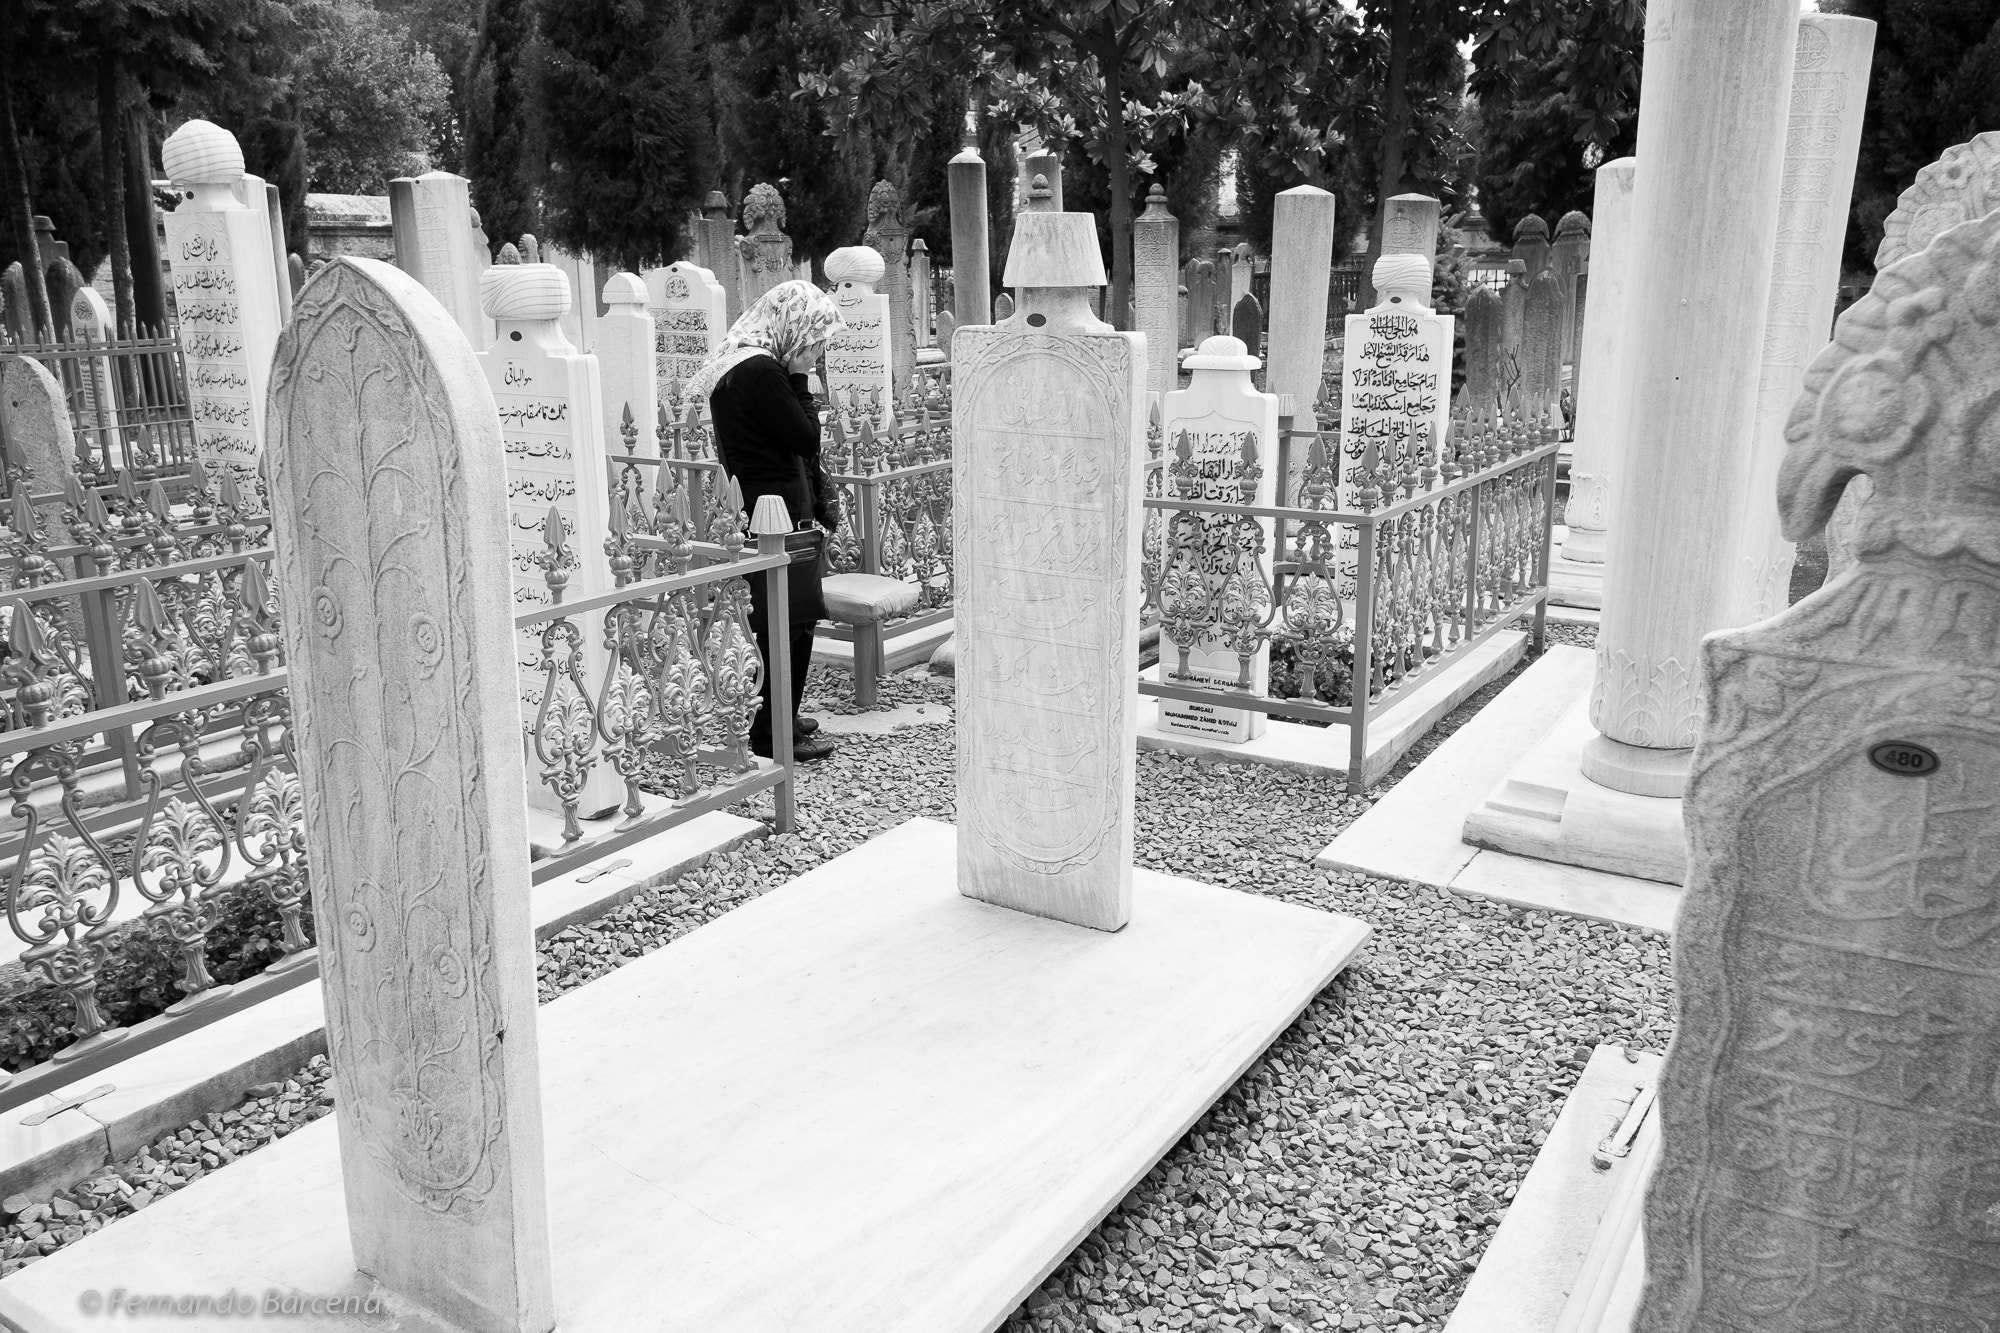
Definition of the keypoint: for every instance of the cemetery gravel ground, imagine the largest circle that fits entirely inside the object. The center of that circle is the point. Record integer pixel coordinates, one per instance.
(1350, 1180)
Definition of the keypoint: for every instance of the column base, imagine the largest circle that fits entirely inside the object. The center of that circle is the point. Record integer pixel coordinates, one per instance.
(1584, 546)
(1635, 769)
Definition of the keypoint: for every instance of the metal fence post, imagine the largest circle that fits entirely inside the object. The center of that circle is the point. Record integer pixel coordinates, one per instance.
(778, 630)
(1361, 677)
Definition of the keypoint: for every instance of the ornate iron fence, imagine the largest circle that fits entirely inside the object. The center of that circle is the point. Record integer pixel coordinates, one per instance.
(127, 400)
(1444, 548)
(146, 732)
(894, 485)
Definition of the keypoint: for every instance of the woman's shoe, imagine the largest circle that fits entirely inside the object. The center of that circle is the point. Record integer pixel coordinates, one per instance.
(805, 726)
(808, 748)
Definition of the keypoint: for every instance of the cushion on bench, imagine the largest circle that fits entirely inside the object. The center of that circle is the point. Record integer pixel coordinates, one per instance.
(864, 599)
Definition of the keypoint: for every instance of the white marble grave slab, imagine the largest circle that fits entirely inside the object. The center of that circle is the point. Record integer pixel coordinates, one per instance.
(814, 1113)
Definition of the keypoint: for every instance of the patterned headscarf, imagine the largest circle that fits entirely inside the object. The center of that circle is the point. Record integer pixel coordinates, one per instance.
(783, 322)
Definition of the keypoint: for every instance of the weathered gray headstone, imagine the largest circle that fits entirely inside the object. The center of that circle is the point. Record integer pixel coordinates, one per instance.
(389, 499)
(1531, 244)
(1246, 323)
(1567, 257)
(715, 250)
(1302, 222)
(766, 250)
(1830, 1116)
(1048, 430)
(41, 447)
(1541, 342)
(889, 236)
(1485, 351)
(1155, 244)
(432, 219)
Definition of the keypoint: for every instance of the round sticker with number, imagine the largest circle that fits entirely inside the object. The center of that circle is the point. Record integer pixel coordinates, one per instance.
(1905, 759)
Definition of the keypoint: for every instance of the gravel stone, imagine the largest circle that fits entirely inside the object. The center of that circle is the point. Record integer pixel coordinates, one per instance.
(1350, 1180)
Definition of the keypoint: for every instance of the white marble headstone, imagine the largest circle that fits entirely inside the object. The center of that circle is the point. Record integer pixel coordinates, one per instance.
(1048, 438)
(859, 367)
(225, 299)
(689, 309)
(389, 511)
(1216, 431)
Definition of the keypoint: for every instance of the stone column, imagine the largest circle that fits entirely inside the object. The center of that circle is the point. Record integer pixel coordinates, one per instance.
(715, 250)
(626, 367)
(690, 315)
(549, 398)
(431, 219)
(389, 509)
(1048, 410)
(889, 236)
(1155, 245)
(971, 274)
(1410, 226)
(1302, 224)
(920, 293)
(1602, 392)
(225, 292)
(1829, 93)
(1712, 115)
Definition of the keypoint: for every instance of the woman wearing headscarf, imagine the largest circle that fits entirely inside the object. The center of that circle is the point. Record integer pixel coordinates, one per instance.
(767, 437)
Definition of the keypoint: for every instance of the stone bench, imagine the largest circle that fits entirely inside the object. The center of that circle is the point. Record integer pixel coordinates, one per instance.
(862, 602)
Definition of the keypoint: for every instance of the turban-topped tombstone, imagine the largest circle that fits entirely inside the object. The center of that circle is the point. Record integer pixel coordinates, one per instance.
(225, 283)
(859, 376)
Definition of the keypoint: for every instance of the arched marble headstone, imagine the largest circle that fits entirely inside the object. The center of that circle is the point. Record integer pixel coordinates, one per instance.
(389, 505)
(1829, 1125)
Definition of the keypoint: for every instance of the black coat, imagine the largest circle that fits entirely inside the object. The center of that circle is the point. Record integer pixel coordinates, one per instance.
(767, 436)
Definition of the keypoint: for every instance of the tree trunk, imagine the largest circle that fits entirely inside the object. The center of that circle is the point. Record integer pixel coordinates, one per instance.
(1121, 177)
(149, 289)
(21, 214)
(1395, 133)
(111, 162)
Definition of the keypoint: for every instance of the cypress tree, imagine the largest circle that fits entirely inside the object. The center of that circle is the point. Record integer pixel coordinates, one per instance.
(630, 135)
(504, 144)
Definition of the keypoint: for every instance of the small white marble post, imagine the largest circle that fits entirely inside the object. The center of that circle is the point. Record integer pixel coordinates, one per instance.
(225, 299)
(1155, 284)
(626, 367)
(1410, 227)
(1219, 434)
(389, 519)
(1240, 272)
(431, 218)
(858, 367)
(1295, 326)
(889, 236)
(550, 404)
(971, 280)
(1822, 140)
(1602, 391)
(1049, 437)
(690, 317)
(1712, 119)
